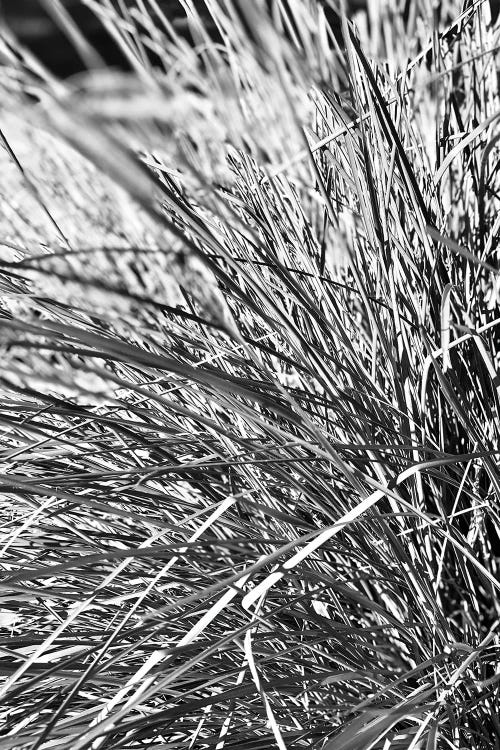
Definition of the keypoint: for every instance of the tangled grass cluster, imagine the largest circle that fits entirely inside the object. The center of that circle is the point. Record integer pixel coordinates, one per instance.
(249, 308)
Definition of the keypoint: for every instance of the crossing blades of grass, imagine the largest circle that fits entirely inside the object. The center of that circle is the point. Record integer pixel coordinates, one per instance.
(249, 428)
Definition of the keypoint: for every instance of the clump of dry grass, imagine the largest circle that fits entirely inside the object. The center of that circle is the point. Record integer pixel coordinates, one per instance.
(249, 406)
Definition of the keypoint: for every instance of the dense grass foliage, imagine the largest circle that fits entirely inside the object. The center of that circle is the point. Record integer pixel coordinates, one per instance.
(249, 397)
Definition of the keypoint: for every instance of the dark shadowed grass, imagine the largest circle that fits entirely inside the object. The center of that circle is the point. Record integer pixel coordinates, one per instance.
(249, 407)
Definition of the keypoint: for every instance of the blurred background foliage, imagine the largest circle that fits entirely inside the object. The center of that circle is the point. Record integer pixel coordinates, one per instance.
(37, 26)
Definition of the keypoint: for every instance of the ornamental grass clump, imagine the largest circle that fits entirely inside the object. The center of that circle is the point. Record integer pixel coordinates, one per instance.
(249, 392)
